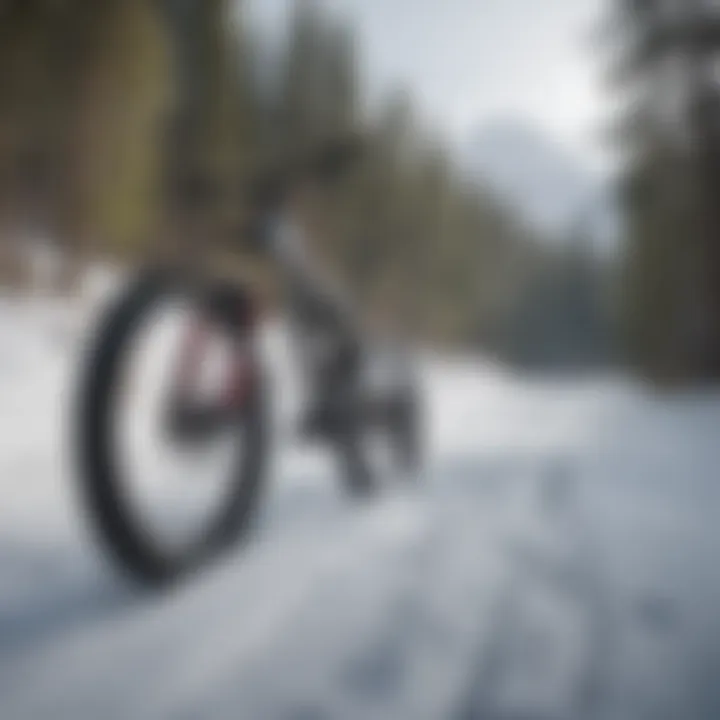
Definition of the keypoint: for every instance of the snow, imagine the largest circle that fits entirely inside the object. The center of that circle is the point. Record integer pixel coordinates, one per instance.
(557, 559)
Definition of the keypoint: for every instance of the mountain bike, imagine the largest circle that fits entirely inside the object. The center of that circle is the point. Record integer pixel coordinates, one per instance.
(176, 367)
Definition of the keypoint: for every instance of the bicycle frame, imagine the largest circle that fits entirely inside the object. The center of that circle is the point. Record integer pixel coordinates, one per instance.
(321, 331)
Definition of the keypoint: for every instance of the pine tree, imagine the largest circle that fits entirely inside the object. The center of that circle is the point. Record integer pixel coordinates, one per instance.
(671, 280)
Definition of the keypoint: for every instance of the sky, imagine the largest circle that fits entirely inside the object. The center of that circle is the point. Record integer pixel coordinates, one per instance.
(469, 62)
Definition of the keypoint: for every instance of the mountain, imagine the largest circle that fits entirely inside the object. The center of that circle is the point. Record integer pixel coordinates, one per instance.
(543, 181)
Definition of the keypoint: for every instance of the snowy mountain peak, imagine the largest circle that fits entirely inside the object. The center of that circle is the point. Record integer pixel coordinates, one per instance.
(536, 175)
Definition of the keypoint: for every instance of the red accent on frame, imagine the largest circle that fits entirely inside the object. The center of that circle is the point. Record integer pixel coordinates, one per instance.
(192, 351)
(241, 366)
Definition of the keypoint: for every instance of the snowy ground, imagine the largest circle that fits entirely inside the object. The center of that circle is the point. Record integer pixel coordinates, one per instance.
(558, 560)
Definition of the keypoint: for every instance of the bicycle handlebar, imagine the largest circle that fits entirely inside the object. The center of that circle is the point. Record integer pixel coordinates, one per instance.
(324, 164)
(266, 190)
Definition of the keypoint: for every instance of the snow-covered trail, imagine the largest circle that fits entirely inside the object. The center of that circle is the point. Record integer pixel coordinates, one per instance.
(557, 560)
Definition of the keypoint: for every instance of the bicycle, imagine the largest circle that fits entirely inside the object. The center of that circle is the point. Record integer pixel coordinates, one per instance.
(205, 403)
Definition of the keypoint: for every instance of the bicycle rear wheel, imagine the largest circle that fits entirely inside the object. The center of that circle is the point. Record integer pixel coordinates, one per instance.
(384, 440)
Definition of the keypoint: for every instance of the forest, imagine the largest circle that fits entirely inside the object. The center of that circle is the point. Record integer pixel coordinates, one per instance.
(106, 108)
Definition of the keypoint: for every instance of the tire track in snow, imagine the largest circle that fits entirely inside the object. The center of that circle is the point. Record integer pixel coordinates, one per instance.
(548, 656)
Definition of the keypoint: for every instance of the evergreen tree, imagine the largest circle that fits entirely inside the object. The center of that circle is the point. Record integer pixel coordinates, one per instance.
(670, 298)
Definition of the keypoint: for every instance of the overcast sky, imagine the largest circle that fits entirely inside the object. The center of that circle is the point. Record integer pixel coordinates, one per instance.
(471, 61)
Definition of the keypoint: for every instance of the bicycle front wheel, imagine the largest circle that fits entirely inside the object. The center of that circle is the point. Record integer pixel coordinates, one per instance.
(165, 496)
